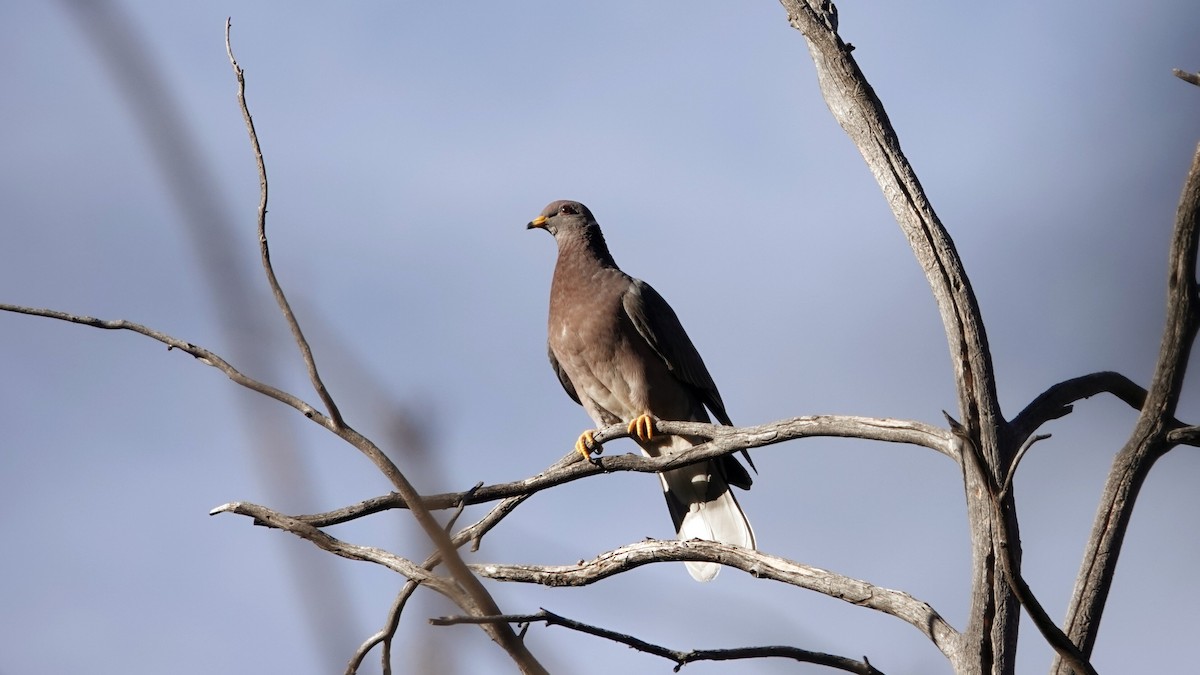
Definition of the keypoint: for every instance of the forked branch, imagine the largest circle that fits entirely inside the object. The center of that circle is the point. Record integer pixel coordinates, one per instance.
(1009, 550)
(474, 598)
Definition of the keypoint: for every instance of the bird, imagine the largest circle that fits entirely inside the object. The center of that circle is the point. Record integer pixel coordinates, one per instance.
(620, 351)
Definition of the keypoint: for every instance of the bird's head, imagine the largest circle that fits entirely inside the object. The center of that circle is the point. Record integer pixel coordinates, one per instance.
(575, 230)
(565, 217)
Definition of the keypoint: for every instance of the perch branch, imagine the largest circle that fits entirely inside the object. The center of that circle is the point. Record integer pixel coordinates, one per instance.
(760, 565)
(724, 441)
(680, 657)
(1150, 438)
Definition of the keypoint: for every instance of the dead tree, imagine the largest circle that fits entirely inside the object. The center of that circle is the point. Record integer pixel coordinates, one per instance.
(987, 446)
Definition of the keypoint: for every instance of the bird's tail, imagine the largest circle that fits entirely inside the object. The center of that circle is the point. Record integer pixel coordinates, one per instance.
(703, 507)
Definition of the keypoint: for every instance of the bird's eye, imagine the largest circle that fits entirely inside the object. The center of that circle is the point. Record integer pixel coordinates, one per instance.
(568, 210)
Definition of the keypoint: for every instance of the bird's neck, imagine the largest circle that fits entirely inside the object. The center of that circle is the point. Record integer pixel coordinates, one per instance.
(586, 250)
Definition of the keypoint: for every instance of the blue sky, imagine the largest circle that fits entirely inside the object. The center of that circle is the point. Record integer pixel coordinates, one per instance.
(407, 146)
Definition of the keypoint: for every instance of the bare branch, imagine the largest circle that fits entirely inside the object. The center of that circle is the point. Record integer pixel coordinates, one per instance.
(418, 575)
(384, 635)
(409, 569)
(335, 416)
(760, 565)
(1149, 439)
(725, 440)
(1009, 552)
(1184, 436)
(1056, 401)
(854, 105)
(729, 439)
(1006, 487)
(680, 657)
(1055, 637)
(201, 354)
(1193, 78)
(472, 534)
(476, 599)
(993, 616)
(210, 358)
(893, 430)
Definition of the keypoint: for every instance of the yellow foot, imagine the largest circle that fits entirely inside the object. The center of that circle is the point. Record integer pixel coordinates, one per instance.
(642, 427)
(586, 444)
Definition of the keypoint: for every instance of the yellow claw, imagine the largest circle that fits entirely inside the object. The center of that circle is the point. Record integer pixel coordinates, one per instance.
(587, 440)
(642, 427)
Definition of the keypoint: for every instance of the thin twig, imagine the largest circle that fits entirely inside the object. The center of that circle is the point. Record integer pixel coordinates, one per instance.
(200, 353)
(271, 518)
(1006, 487)
(475, 599)
(210, 358)
(680, 657)
(335, 416)
(384, 635)
(462, 505)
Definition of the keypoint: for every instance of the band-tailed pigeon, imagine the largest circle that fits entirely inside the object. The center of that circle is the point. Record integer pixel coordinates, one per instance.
(620, 351)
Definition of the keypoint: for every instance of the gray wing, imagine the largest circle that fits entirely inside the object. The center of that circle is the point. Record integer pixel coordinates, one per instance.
(660, 327)
(562, 375)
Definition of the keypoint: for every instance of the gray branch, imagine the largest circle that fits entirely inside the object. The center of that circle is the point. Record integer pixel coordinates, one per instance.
(993, 613)
(285, 307)
(1191, 78)
(409, 569)
(724, 441)
(1150, 438)
(1184, 436)
(1057, 401)
(1009, 550)
(760, 565)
